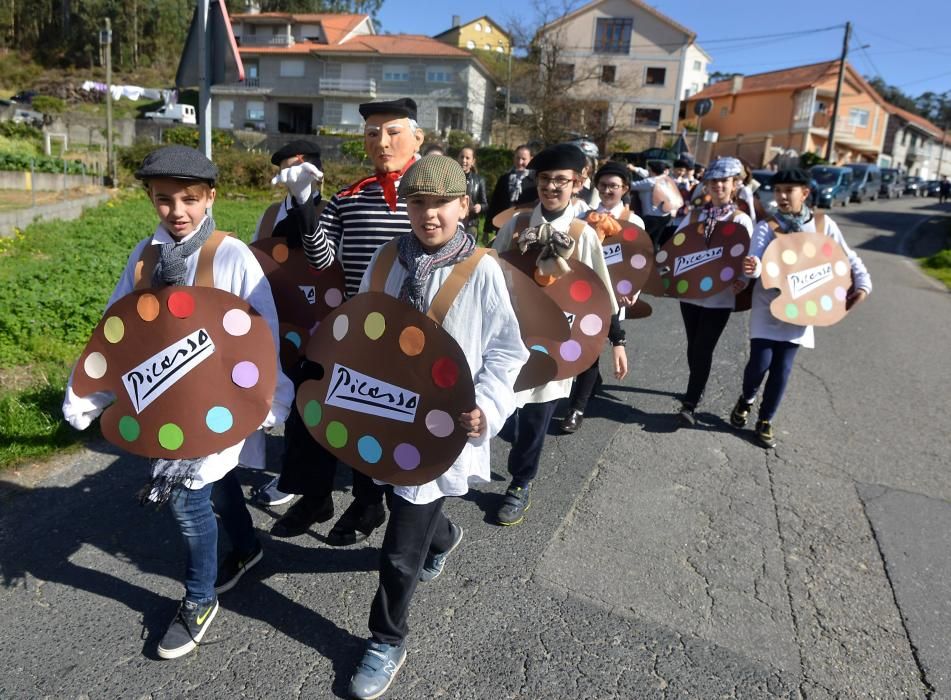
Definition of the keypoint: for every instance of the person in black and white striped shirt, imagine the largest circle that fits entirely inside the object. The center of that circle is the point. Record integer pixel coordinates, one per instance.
(356, 221)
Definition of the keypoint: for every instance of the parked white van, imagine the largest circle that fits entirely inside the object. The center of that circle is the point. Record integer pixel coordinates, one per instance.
(176, 113)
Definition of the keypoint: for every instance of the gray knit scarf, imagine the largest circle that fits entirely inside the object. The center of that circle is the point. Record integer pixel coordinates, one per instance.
(172, 270)
(794, 222)
(421, 264)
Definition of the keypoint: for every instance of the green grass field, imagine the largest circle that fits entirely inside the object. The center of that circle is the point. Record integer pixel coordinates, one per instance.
(55, 279)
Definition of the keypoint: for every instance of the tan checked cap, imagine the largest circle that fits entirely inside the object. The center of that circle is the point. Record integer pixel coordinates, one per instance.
(439, 175)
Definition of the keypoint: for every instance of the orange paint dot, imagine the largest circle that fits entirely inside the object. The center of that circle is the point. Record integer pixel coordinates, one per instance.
(543, 280)
(148, 307)
(280, 252)
(412, 341)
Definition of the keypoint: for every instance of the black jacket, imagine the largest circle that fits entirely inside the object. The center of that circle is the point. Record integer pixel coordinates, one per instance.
(501, 199)
(475, 188)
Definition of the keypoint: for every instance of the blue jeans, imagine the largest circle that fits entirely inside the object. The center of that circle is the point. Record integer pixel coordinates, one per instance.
(776, 358)
(194, 510)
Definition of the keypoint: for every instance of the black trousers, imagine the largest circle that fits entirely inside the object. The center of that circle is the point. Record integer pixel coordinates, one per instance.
(309, 469)
(655, 227)
(411, 532)
(585, 385)
(704, 327)
(531, 427)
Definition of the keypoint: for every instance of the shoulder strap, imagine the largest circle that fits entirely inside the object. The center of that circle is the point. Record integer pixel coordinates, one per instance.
(454, 283)
(205, 272)
(576, 228)
(145, 267)
(625, 215)
(266, 228)
(694, 216)
(521, 223)
(820, 219)
(383, 265)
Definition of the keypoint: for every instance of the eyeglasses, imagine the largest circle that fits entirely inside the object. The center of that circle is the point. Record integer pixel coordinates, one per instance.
(559, 183)
(608, 188)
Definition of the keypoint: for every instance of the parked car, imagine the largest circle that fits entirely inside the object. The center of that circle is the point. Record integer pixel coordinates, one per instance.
(25, 97)
(913, 186)
(866, 181)
(932, 188)
(25, 115)
(833, 185)
(891, 183)
(184, 114)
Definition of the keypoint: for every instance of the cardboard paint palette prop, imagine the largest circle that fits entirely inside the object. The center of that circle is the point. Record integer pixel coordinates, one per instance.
(629, 255)
(539, 316)
(303, 296)
(813, 276)
(502, 218)
(193, 370)
(666, 195)
(584, 302)
(390, 386)
(693, 268)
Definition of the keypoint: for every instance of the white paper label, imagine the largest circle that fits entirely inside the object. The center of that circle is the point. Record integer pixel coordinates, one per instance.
(685, 263)
(310, 292)
(612, 253)
(805, 281)
(362, 393)
(570, 317)
(160, 372)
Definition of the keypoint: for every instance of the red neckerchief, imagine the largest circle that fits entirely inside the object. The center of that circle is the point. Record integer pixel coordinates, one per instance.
(386, 180)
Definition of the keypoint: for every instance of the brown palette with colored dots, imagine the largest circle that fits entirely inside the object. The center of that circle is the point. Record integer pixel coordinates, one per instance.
(585, 303)
(693, 268)
(813, 276)
(303, 296)
(391, 386)
(193, 370)
(630, 257)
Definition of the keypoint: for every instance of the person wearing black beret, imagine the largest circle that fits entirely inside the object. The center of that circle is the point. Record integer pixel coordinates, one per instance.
(352, 226)
(558, 177)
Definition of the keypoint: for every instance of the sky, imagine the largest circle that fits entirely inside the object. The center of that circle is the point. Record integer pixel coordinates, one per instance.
(906, 43)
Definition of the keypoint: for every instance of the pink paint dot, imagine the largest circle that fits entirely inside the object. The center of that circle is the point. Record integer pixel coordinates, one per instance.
(333, 297)
(737, 250)
(570, 350)
(406, 456)
(591, 324)
(236, 322)
(440, 423)
(638, 262)
(840, 293)
(245, 374)
(624, 287)
(726, 274)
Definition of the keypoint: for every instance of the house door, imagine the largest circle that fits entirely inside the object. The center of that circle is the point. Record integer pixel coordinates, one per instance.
(225, 114)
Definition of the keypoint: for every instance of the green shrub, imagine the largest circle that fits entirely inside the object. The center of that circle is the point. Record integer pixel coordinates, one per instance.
(49, 105)
(492, 162)
(354, 150)
(41, 164)
(808, 159)
(13, 130)
(938, 261)
(188, 136)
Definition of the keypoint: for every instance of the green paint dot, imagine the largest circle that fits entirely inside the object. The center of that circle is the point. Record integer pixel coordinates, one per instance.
(792, 311)
(666, 283)
(129, 428)
(336, 434)
(682, 286)
(312, 414)
(170, 436)
(811, 308)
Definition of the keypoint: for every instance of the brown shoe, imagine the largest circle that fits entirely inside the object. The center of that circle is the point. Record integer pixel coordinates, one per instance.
(572, 422)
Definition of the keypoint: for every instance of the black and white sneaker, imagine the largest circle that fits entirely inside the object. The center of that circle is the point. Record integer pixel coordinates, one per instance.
(187, 628)
(234, 567)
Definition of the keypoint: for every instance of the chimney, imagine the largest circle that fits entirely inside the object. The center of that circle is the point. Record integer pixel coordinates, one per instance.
(736, 85)
(455, 21)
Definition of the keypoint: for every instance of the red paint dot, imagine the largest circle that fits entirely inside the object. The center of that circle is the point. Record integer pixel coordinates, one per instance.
(181, 304)
(827, 249)
(728, 229)
(630, 234)
(580, 291)
(445, 373)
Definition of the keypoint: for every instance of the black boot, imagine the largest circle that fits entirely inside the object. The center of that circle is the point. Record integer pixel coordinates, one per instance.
(356, 524)
(572, 421)
(302, 515)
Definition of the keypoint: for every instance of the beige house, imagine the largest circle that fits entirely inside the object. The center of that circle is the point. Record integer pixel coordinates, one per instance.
(482, 34)
(627, 64)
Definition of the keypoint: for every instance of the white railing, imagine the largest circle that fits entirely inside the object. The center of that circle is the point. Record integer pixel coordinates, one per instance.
(275, 40)
(364, 86)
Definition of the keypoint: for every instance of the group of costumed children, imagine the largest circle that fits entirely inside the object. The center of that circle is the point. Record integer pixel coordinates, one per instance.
(420, 206)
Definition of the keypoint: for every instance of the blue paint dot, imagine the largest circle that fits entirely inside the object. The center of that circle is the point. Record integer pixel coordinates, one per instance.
(826, 302)
(294, 337)
(369, 449)
(219, 420)
(706, 284)
(540, 348)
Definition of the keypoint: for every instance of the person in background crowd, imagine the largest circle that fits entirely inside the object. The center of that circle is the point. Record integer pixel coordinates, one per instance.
(510, 187)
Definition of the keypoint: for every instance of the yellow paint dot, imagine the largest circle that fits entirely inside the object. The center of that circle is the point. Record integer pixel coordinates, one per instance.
(790, 257)
(374, 325)
(679, 238)
(809, 250)
(113, 329)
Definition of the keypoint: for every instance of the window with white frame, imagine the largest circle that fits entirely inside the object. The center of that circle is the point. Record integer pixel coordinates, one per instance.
(439, 74)
(255, 111)
(698, 65)
(396, 73)
(292, 68)
(858, 117)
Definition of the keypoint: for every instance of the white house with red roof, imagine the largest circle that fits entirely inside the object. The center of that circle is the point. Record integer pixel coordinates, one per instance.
(306, 72)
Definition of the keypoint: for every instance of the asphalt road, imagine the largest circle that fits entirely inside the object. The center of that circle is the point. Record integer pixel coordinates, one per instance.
(654, 562)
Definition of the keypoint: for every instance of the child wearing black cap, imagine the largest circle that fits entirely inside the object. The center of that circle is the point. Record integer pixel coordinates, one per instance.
(774, 343)
(180, 182)
(558, 176)
(414, 268)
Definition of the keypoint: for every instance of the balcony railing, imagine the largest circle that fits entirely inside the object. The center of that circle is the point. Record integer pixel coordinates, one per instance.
(258, 40)
(348, 86)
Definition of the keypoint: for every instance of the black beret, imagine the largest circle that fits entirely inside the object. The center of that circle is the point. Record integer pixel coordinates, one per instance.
(791, 176)
(612, 167)
(564, 156)
(300, 147)
(681, 163)
(179, 162)
(403, 107)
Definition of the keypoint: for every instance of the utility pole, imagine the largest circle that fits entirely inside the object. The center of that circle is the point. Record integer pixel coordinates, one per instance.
(944, 137)
(204, 81)
(830, 144)
(105, 39)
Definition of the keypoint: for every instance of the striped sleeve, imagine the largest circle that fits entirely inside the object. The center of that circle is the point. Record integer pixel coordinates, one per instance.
(320, 245)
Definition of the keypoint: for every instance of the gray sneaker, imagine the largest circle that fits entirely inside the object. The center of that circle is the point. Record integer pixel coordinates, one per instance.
(436, 562)
(517, 501)
(376, 670)
(269, 495)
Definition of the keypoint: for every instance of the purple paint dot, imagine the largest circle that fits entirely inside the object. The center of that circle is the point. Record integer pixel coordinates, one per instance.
(624, 287)
(726, 274)
(333, 297)
(638, 262)
(245, 374)
(406, 456)
(840, 293)
(570, 350)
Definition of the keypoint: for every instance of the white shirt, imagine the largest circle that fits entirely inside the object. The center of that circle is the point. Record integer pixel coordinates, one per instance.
(762, 322)
(617, 210)
(588, 251)
(725, 298)
(645, 190)
(235, 270)
(483, 322)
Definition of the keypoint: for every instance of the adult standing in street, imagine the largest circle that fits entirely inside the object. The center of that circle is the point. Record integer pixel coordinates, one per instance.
(475, 190)
(509, 188)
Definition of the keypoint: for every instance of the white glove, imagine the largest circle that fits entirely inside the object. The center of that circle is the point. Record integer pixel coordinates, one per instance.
(81, 411)
(299, 180)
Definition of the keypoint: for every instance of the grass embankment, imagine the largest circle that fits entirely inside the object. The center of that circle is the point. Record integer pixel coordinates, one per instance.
(939, 264)
(55, 279)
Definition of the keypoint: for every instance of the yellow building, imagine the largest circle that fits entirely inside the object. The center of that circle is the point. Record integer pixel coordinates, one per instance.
(480, 34)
